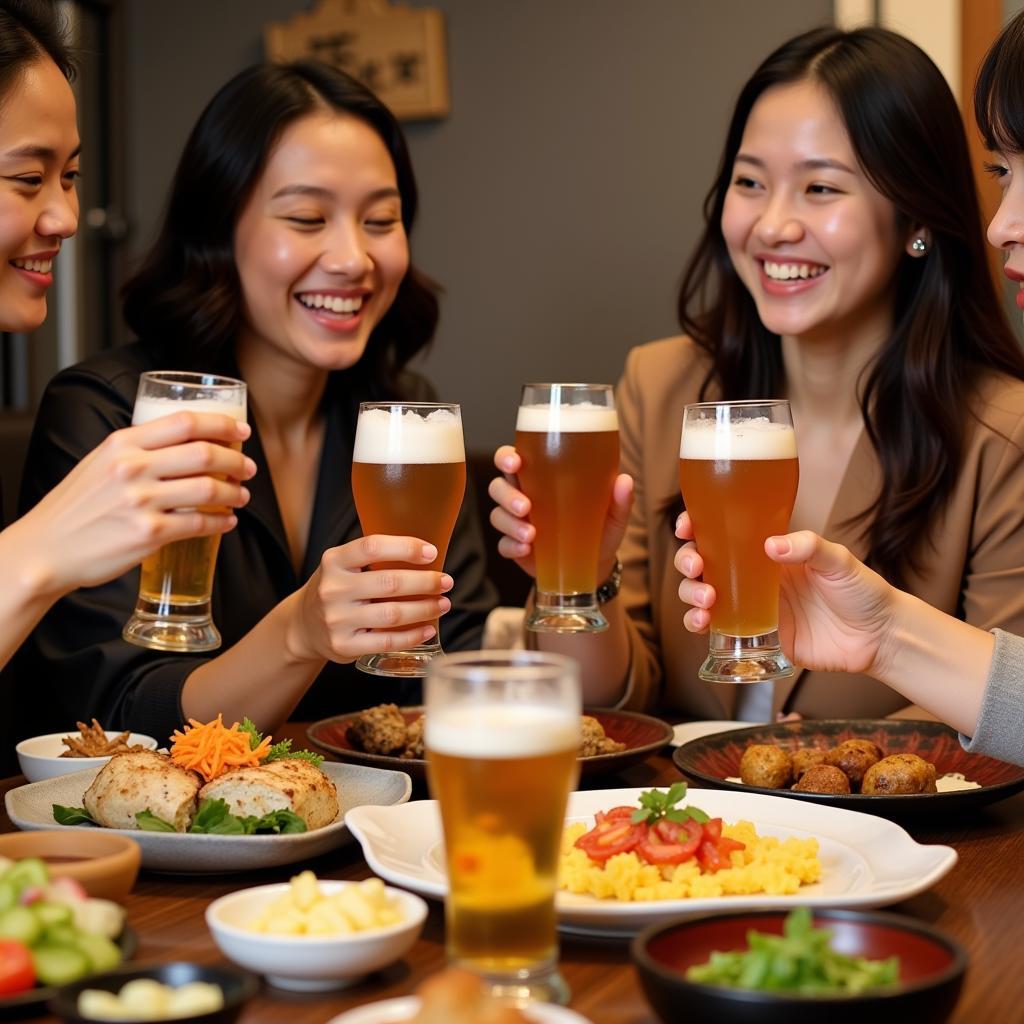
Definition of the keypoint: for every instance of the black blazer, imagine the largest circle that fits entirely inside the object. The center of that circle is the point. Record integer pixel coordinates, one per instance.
(76, 665)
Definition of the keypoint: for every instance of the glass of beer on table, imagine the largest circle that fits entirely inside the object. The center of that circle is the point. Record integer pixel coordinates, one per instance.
(567, 436)
(172, 612)
(408, 480)
(502, 733)
(738, 473)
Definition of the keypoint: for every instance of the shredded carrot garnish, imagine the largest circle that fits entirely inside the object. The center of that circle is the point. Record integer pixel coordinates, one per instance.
(211, 748)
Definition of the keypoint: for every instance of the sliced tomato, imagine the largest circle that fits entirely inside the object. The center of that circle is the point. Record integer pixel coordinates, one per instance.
(713, 856)
(615, 814)
(16, 971)
(610, 837)
(670, 842)
(713, 829)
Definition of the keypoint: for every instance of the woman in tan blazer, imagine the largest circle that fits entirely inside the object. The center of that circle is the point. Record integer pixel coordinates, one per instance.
(842, 267)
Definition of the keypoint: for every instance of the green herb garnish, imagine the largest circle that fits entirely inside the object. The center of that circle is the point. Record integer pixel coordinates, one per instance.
(279, 751)
(149, 822)
(72, 816)
(800, 960)
(656, 804)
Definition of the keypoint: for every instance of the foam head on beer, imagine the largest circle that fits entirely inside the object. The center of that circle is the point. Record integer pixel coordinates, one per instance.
(385, 436)
(152, 407)
(584, 417)
(501, 730)
(741, 441)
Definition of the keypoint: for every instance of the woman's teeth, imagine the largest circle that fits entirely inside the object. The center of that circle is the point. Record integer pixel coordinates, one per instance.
(39, 266)
(333, 303)
(790, 271)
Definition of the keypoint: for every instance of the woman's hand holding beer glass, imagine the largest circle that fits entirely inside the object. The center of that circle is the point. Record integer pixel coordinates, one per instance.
(123, 500)
(348, 609)
(835, 614)
(561, 506)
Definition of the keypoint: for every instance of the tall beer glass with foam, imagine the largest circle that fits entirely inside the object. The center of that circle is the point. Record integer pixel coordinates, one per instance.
(738, 472)
(502, 734)
(172, 612)
(567, 436)
(408, 479)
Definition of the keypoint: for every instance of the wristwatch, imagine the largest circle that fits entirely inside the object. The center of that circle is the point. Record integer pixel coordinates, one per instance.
(610, 587)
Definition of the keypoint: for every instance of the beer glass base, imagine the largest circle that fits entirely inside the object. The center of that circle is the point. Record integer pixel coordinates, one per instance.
(537, 985)
(171, 632)
(745, 659)
(565, 613)
(412, 663)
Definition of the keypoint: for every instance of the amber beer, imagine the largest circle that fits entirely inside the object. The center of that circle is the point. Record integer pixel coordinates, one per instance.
(502, 772)
(176, 582)
(739, 479)
(408, 480)
(570, 458)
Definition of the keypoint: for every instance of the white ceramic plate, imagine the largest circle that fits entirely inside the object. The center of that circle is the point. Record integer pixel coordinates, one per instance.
(867, 861)
(31, 807)
(686, 731)
(397, 1011)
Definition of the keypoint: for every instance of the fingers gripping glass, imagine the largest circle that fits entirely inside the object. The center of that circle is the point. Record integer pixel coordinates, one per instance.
(172, 612)
(502, 734)
(408, 480)
(738, 472)
(567, 436)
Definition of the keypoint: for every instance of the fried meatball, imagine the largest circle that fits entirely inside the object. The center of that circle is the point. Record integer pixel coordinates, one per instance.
(900, 773)
(595, 740)
(823, 778)
(379, 730)
(805, 759)
(852, 760)
(766, 766)
(414, 739)
(867, 746)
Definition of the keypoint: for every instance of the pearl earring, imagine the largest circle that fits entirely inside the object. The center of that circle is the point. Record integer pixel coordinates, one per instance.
(919, 245)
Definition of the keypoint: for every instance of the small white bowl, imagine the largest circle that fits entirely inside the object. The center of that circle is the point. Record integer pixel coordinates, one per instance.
(39, 757)
(310, 963)
(403, 1009)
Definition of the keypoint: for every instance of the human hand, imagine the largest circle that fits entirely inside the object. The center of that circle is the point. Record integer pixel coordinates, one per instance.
(835, 614)
(509, 516)
(169, 479)
(348, 609)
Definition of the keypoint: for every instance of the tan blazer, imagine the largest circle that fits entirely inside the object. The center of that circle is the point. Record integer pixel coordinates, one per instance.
(975, 570)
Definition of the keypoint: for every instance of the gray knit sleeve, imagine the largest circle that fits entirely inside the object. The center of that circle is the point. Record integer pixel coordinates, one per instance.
(1000, 729)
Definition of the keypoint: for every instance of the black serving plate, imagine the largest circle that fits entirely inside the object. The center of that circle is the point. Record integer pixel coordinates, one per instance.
(711, 760)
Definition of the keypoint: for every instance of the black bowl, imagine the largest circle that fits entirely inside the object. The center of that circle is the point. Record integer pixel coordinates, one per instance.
(931, 971)
(237, 985)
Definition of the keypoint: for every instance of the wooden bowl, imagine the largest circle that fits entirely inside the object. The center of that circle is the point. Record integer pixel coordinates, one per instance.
(106, 865)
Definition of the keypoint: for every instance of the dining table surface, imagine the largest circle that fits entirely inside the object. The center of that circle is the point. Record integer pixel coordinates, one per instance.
(980, 903)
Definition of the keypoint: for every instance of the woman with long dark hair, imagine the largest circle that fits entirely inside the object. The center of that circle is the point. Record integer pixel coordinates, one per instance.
(283, 259)
(839, 615)
(119, 502)
(842, 267)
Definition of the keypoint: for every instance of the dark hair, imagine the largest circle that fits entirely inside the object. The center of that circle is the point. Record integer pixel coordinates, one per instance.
(999, 91)
(187, 294)
(30, 30)
(948, 328)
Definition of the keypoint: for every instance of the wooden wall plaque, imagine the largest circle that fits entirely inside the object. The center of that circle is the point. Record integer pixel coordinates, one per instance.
(396, 50)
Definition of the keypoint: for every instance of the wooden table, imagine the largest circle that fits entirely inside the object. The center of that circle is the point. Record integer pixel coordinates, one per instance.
(980, 903)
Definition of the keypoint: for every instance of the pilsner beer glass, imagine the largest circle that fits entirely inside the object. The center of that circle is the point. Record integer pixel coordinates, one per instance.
(172, 612)
(567, 436)
(738, 473)
(502, 734)
(408, 479)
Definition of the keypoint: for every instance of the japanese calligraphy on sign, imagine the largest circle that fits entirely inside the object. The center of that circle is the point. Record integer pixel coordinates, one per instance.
(398, 51)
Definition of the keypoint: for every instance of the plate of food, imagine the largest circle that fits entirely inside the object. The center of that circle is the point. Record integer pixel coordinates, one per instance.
(388, 736)
(899, 768)
(762, 853)
(224, 798)
(53, 933)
